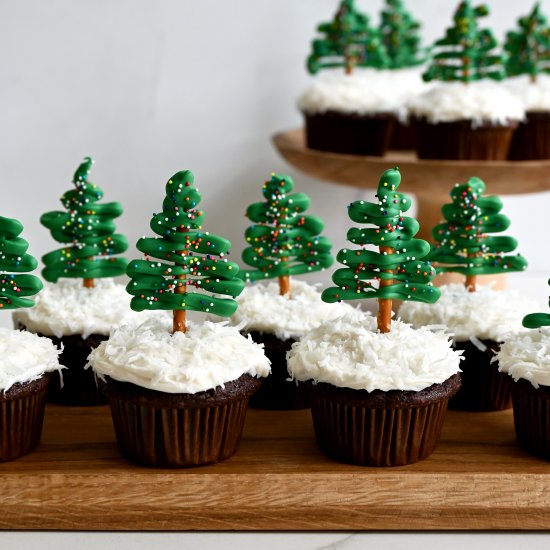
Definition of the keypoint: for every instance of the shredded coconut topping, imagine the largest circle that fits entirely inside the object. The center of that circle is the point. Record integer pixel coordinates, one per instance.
(67, 308)
(206, 356)
(535, 96)
(485, 314)
(527, 356)
(262, 308)
(25, 357)
(350, 353)
(482, 101)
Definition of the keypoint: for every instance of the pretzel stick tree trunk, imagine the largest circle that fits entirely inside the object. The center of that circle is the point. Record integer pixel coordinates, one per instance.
(385, 305)
(179, 317)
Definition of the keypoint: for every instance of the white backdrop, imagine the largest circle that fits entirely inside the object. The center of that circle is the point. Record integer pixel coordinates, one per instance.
(151, 87)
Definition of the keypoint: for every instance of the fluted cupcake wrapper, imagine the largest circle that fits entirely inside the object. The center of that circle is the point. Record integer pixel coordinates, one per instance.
(460, 140)
(192, 432)
(532, 417)
(22, 417)
(349, 133)
(531, 141)
(373, 435)
(483, 387)
(276, 392)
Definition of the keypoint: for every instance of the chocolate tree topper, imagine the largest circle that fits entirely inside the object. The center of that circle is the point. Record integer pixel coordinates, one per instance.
(537, 320)
(529, 47)
(283, 241)
(390, 263)
(463, 242)
(186, 257)
(401, 36)
(466, 53)
(14, 260)
(87, 230)
(348, 41)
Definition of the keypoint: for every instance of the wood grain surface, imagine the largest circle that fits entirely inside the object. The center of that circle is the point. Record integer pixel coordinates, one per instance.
(476, 479)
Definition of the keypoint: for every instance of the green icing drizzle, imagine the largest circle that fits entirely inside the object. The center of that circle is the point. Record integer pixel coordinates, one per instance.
(88, 229)
(283, 241)
(466, 52)
(401, 36)
(529, 47)
(463, 245)
(186, 252)
(348, 41)
(14, 289)
(537, 320)
(411, 273)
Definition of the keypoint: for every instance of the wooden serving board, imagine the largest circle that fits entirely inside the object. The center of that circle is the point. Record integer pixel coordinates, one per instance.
(476, 479)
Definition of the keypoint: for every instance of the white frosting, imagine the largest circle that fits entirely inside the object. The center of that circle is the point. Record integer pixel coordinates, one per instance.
(486, 314)
(365, 91)
(263, 309)
(527, 356)
(206, 356)
(535, 96)
(66, 308)
(25, 357)
(349, 353)
(482, 101)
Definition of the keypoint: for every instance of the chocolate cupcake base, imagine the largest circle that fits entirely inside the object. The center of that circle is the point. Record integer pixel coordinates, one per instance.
(379, 428)
(461, 140)
(403, 137)
(178, 430)
(483, 387)
(531, 140)
(276, 392)
(349, 133)
(532, 417)
(21, 417)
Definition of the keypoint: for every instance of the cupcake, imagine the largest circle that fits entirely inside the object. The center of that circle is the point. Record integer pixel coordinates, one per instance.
(26, 360)
(179, 391)
(284, 242)
(77, 314)
(528, 50)
(478, 318)
(379, 389)
(525, 357)
(348, 113)
(466, 116)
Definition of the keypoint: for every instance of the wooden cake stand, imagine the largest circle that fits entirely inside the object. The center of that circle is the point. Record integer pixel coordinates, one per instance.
(429, 180)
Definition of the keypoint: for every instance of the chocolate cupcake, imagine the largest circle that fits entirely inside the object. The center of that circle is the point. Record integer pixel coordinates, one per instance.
(478, 322)
(277, 322)
(377, 399)
(26, 364)
(76, 319)
(178, 400)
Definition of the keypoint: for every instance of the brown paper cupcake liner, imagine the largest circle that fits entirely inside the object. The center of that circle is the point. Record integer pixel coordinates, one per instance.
(532, 417)
(179, 430)
(460, 140)
(79, 385)
(349, 133)
(531, 140)
(276, 392)
(21, 417)
(380, 428)
(483, 387)
(404, 137)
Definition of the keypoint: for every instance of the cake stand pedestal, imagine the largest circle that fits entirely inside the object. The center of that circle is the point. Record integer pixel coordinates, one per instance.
(429, 180)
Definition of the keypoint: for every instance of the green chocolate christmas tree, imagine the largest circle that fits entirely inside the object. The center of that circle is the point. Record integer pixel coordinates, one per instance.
(190, 257)
(87, 230)
(537, 320)
(463, 242)
(348, 41)
(401, 36)
(529, 48)
(14, 260)
(397, 268)
(466, 52)
(283, 241)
